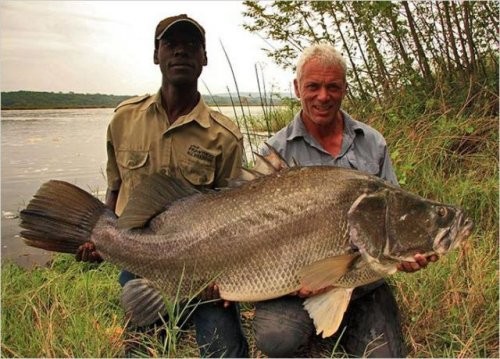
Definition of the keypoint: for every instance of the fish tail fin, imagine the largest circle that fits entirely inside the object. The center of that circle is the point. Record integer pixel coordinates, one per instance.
(60, 217)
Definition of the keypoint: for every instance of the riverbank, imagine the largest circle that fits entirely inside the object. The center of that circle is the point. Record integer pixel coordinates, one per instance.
(33, 100)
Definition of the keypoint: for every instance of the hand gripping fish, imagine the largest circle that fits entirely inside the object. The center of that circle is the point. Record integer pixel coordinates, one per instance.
(266, 236)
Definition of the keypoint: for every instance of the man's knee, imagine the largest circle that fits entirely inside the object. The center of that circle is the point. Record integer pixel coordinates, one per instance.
(282, 327)
(218, 331)
(373, 326)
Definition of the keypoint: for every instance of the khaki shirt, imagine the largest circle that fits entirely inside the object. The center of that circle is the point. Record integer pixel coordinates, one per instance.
(203, 148)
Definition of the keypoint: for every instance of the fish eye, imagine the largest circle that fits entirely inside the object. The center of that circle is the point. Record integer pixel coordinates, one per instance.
(442, 211)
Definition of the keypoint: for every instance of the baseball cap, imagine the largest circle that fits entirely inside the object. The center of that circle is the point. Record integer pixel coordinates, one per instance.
(168, 22)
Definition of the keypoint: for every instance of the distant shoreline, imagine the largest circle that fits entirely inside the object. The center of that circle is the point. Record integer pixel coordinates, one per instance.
(54, 108)
(32, 100)
(111, 107)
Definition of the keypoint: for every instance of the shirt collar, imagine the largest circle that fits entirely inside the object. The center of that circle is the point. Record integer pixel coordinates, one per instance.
(351, 126)
(298, 129)
(200, 113)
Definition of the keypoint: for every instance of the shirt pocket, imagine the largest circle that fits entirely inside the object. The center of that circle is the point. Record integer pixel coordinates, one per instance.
(133, 166)
(198, 173)
(363, 165)
(132, 160)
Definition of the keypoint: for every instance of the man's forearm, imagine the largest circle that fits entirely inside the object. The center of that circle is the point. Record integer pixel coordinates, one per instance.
(111, 198)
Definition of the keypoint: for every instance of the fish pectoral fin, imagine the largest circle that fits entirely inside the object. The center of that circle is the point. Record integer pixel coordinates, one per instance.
(142, 301)
(325, 272)
(327, 309)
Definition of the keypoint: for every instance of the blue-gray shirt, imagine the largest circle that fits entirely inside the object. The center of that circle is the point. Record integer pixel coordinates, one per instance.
(363, 148)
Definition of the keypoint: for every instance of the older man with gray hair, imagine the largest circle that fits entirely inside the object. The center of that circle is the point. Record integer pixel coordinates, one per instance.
(323, 134)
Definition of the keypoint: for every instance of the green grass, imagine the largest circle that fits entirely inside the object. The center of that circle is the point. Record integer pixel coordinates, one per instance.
(68, 309)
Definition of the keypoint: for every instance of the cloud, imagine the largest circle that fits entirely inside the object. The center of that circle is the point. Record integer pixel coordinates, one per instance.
(107, 46)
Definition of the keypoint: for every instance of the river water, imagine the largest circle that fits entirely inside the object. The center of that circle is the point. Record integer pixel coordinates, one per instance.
(39, 145)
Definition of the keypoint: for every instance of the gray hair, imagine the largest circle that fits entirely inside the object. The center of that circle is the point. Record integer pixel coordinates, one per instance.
(325, 53)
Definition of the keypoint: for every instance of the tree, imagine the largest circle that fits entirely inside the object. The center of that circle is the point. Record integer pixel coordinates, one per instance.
(447, 46)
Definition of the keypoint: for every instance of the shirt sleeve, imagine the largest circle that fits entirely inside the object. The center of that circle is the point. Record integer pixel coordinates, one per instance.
(231, 163)
(386, 170)
(112, 172)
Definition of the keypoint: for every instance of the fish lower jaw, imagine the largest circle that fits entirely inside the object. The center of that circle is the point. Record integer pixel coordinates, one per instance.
(384, 269)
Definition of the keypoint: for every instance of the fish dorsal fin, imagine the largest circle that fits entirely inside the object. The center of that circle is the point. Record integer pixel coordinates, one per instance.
(264, 165)
(275, 159)
(325, 272)
(151, 197)
(142, 302)
(327, 309)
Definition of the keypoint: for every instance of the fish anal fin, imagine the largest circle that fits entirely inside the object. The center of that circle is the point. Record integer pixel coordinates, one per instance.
(327, 309)
(325, 272)
(151, 197)
(142, 302)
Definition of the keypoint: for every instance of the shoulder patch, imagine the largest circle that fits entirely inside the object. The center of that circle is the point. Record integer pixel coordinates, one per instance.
(227, 123)
(132, 100)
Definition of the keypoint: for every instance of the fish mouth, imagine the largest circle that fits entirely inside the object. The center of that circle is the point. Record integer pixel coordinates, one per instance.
(451, 237)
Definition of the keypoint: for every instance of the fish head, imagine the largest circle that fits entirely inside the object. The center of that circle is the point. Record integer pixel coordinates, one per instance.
(391, 225)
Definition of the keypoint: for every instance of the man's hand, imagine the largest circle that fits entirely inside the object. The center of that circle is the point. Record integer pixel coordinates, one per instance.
(211, 293)
(87, 253)
(420, 262)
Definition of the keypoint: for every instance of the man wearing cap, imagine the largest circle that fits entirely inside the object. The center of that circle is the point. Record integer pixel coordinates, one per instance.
(174, 131)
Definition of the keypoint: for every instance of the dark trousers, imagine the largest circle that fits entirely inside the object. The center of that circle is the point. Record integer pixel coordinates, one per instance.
(218, 329)
(371, 325)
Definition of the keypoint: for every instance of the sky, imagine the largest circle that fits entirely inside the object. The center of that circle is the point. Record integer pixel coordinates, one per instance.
(107, 47)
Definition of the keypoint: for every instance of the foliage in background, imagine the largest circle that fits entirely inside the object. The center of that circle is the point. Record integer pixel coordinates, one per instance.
(438, 50)
(28, 100)
(49, 100)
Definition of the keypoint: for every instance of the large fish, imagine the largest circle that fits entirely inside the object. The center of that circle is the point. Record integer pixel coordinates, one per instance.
(311, 227)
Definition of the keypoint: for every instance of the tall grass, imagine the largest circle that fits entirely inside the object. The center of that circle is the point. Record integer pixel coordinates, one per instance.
(450, 309)
(245, 123)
